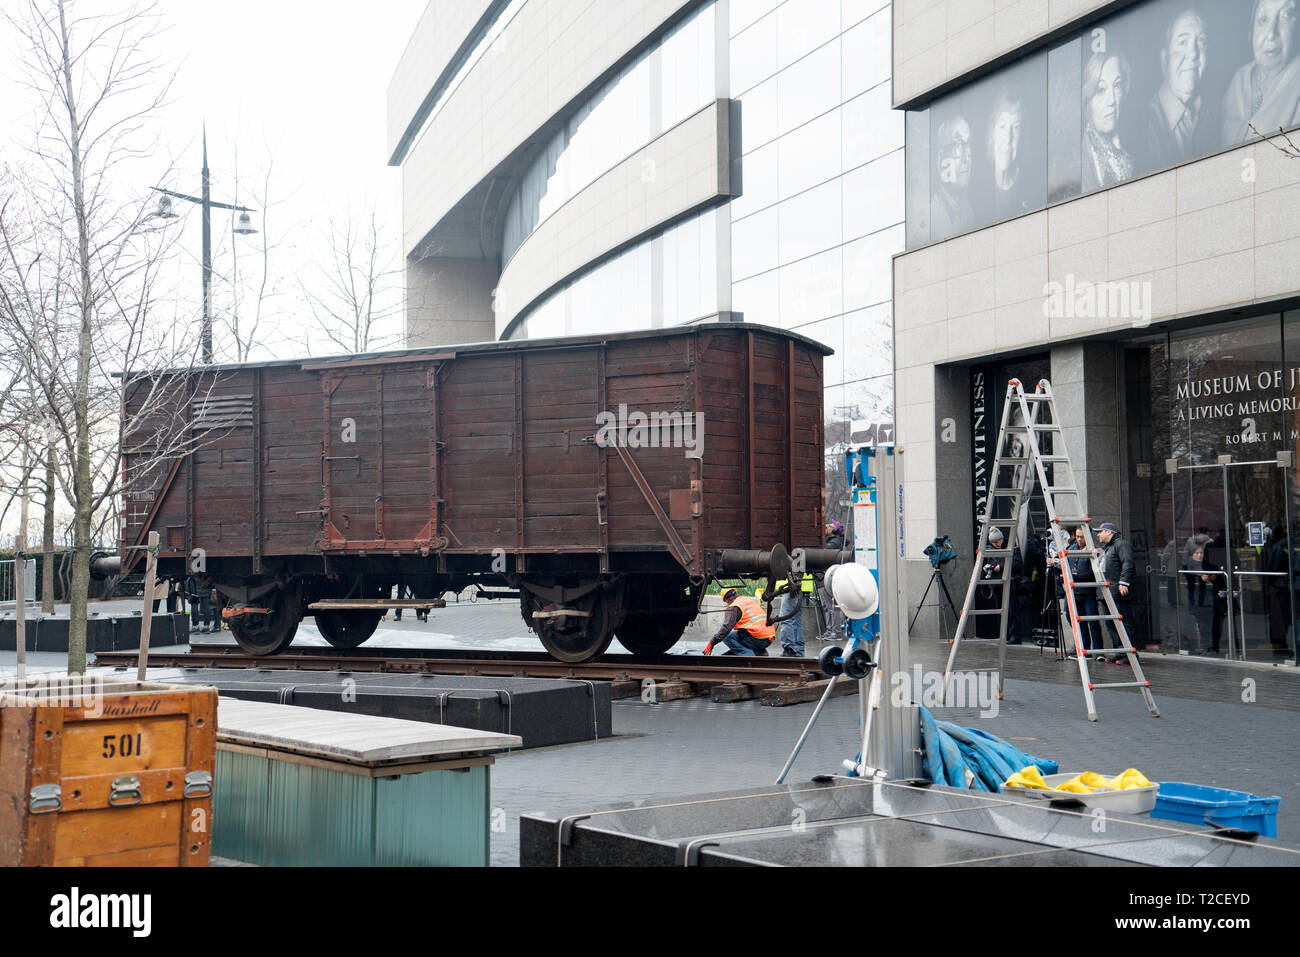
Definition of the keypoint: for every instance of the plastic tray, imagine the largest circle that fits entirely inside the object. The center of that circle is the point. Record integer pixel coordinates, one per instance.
(1217, 807)
(1128, 801)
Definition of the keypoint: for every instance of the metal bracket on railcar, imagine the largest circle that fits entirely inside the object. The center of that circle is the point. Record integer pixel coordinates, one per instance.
(776, 563)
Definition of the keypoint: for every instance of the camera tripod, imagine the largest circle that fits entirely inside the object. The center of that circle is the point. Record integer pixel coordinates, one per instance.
(1050, 633)
(936, 575)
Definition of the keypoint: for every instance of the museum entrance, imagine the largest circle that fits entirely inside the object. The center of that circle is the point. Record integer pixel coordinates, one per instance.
(1231, 581)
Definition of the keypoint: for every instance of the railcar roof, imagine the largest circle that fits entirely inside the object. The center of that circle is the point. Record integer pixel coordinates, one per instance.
(508, 345)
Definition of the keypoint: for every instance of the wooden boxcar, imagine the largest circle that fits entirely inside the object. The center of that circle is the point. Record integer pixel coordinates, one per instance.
(598, 478)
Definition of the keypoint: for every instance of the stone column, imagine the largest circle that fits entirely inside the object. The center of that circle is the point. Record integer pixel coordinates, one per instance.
(1088, 382)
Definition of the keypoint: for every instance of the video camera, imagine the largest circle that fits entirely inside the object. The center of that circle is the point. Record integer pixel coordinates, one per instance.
(940, 551)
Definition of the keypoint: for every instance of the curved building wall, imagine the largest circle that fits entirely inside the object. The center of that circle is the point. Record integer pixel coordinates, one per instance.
(682, 171)
(544, 60)
(668, 279)
(665, 84)
(446, 27)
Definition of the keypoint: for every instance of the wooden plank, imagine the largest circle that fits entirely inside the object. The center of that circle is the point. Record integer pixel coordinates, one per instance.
(119, 746)
(93, 791)
(16, 739)
(47, 744)
(730, 692)
(164, 855)
(103, 835)
(200, 755)
(784, 695)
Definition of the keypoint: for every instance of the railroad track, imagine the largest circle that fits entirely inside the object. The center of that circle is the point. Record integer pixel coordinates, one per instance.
(774, 681)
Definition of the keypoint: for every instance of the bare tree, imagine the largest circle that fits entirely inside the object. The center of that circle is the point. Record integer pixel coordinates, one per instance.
(78, 302)
(1287, 147)
(251, 280)
(355, 293)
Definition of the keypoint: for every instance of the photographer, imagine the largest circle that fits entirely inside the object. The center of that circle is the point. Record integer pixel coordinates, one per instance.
(988, 594)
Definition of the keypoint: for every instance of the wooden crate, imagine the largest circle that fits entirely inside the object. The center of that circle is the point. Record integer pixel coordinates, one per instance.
(106, 772)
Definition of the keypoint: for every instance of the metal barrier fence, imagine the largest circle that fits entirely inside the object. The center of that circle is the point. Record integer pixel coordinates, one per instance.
(7, 580)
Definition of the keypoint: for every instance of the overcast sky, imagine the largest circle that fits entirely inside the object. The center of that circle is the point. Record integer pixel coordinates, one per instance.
(304, 80)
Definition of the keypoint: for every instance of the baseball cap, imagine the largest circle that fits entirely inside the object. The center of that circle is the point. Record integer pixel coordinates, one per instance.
(1108, 527)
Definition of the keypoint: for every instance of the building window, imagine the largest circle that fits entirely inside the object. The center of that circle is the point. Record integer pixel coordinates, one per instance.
(667, 83)
(666, 280)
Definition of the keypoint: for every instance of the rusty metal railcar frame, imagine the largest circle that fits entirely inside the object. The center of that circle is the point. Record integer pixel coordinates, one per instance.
(634, 541)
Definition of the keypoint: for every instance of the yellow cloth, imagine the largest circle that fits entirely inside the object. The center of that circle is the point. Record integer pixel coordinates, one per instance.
(1085, 783)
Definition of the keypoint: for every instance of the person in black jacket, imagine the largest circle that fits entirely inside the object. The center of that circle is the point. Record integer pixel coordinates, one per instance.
(1117, 565)
(989, 595)
(1085, 599)
(1208, 618)
(831, 611)
(202, 613)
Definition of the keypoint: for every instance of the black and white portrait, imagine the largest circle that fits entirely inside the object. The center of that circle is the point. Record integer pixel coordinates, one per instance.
(1015, 147)
(1106, 160)
(1153, 86)
(951, 207)
(1265, 93)
(1181, 119)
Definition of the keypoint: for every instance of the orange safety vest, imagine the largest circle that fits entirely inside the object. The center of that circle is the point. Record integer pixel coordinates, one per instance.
(753, 619)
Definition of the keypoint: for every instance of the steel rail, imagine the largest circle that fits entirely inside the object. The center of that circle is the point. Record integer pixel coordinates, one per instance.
(765, 672)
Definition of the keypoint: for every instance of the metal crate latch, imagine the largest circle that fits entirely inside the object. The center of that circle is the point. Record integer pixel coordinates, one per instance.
(125, 791)
(198, 784)
(46, 798)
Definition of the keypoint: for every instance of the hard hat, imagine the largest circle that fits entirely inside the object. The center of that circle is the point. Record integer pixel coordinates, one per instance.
(758, 593)
(854, 589)
(729, 595)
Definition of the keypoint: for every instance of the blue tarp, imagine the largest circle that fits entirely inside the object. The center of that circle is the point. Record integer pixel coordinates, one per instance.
(950, 752)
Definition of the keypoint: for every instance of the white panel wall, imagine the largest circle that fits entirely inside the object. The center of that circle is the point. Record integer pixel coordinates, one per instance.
(443, 26)
(938, 40)
(548, 55)
(680, 171)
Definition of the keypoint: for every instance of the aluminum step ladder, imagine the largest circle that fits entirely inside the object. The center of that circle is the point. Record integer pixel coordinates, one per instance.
(1027, 418)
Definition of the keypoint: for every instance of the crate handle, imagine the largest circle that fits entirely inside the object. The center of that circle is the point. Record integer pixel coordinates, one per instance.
(125, 791)
(198, 784)
(46, 798)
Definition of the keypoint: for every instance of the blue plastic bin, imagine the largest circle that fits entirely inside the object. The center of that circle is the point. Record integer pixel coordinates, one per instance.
(1217, 807)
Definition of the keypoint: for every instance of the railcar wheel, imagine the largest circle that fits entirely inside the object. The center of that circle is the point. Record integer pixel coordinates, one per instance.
(649, 635)
(858, 664)
(266, 634)
(826, 661)
(347, 629)
(576, 639)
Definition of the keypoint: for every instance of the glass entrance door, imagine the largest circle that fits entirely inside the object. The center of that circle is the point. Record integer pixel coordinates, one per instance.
(1235, 589)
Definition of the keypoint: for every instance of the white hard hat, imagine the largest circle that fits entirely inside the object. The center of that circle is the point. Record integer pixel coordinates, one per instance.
(854, 589)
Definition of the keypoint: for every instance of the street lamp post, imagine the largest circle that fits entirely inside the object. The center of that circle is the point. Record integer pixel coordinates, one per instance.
(243, 227)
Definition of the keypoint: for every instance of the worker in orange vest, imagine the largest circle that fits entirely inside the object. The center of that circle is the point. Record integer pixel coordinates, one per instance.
(744, 627)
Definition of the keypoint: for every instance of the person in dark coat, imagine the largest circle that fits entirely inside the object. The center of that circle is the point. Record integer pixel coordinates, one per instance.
(1279, 600)
(834, 622)
(1085, 599)
(1208, 617)
(1118, 567)
(202, 614)
(988, 596)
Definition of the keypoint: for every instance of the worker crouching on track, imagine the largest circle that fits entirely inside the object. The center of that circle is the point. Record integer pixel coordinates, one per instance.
(744, 627)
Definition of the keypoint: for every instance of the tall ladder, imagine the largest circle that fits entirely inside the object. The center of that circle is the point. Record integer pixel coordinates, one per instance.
(1025, 426)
